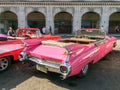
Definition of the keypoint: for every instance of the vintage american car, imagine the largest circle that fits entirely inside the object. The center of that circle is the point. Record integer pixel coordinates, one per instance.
(11, 47)
(71, 56)
(9, 50)
(30, 33)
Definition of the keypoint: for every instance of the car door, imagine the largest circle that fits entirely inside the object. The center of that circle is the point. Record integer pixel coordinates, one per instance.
(100, 47)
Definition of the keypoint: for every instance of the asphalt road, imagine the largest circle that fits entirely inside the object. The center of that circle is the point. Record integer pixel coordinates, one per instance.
(104, 75)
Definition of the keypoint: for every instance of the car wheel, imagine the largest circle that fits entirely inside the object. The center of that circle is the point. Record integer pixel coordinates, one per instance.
(84, 71)
(4, 63)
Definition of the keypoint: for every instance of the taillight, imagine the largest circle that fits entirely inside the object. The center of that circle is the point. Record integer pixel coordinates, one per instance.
(63, 69)
(68, 52)
(65, 53)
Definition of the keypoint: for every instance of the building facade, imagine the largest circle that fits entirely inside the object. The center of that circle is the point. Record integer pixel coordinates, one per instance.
(62, 16)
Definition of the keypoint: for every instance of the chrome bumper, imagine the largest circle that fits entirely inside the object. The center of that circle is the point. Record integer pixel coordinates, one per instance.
(45, 66)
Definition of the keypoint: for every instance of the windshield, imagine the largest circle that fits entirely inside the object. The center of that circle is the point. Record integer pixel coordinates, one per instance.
(35, 33)
(90, 33)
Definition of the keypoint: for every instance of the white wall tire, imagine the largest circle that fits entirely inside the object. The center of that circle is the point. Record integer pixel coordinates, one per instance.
(84, 71)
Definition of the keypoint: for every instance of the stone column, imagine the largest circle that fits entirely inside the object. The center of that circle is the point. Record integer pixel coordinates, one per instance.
(105, 19)
(76, 19)
(22, 21)
(50, 19)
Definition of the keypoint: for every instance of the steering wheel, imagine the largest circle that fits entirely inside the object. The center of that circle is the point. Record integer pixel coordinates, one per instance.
(84, 36)
(27, 37)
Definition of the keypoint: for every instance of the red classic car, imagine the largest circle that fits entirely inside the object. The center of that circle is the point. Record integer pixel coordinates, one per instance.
(9, 50)
(71, 56)
(30, 33)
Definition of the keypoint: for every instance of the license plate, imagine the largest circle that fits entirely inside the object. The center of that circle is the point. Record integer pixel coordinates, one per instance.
(41, 68)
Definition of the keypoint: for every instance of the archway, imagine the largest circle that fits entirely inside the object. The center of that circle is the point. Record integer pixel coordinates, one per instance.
(36, 20)
(63, 23)
(113, 22)
(8, 19)
(90, 20)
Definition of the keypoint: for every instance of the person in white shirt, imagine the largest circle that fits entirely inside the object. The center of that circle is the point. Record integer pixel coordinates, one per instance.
(117, 29)
(44, 30)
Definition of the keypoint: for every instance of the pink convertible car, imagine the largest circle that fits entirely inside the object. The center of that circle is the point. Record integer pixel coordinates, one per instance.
(71, 56)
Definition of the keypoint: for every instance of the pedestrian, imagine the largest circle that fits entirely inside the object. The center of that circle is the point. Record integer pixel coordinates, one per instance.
(50, 30)
(102, 28)
(117, 29)
(44, 30)
(17, 31)
(11, 32)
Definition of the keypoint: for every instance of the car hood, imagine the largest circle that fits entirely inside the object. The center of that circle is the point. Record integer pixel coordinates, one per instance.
(9, 48)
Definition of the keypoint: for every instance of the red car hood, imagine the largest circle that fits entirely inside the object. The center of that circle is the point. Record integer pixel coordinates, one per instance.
(10, 47)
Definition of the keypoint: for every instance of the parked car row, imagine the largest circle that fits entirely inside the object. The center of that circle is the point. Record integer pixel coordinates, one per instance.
(10, 47)
(68, 56)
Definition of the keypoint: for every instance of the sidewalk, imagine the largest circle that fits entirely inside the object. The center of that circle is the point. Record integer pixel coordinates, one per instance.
(116, 35)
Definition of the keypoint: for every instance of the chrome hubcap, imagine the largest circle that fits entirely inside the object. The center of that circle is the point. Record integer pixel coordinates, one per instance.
(3, 63)
(85, 69)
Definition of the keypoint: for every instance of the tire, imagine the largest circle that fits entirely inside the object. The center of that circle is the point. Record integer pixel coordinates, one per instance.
(84, 71)
(5, 62)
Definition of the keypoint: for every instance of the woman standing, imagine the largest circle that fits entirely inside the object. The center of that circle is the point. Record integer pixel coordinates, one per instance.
(11, 32)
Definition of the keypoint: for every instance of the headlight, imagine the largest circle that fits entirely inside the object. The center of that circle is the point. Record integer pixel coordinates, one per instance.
(22, 56)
